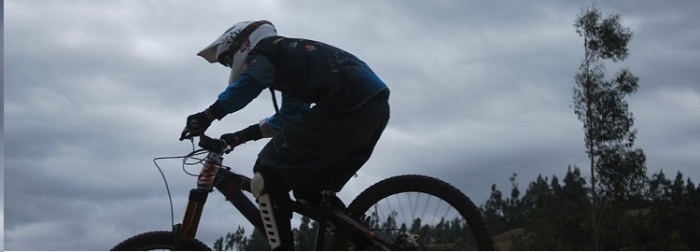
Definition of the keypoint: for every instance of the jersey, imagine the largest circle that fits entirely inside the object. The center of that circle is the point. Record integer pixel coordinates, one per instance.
(305, 72)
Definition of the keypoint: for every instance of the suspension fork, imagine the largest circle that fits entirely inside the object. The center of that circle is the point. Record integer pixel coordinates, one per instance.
(193, 213)
(198, 197)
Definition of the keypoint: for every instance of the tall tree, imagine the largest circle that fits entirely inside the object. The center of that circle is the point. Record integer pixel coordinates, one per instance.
(600, 105)
(493, 211)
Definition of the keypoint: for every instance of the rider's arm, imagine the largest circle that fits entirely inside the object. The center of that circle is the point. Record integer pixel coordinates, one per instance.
(258, 75)
(290, 109)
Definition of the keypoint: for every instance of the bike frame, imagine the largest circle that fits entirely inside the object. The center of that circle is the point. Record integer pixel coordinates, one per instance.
(232, 186)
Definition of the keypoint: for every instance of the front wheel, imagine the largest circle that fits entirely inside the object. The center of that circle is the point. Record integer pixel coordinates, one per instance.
(422, 213)
(159, 240)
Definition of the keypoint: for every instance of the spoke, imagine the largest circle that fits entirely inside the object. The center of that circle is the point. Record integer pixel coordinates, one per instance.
(413, 211)
(400, 205)
(389, 209)
(410, 202)
(448, 210)
(449, 221)
(426, 207)
(436, 210)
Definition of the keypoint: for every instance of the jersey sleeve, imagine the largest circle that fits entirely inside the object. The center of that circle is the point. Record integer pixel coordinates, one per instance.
(258, 75)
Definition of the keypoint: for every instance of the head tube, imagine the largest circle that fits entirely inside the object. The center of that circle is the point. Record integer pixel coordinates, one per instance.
(211, 166)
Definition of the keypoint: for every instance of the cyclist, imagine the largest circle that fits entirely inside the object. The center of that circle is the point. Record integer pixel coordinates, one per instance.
(334, 109)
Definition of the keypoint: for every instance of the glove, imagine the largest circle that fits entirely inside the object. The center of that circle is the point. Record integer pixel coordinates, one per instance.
(198, 123)
(253, 132)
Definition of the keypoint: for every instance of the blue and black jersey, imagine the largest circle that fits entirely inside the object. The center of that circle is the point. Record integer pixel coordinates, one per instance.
(305, 72)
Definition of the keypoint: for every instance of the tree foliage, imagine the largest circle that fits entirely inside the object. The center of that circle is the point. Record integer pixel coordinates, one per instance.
(557, 216)
(600, 104)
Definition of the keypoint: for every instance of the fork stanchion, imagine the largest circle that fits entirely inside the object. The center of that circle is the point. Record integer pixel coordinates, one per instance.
(193, 213)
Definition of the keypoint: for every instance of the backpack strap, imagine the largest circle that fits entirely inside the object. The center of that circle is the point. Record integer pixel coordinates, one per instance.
(274, 100)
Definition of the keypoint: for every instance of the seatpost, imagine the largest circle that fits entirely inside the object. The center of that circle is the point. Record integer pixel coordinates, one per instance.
(327, 190)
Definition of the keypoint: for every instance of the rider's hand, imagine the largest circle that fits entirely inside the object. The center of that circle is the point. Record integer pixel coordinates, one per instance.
(198, 123)
(234, 139)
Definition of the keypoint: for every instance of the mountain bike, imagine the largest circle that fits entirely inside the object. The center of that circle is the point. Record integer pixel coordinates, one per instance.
(377, 219)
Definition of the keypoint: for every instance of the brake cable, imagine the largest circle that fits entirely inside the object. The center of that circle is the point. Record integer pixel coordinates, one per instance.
(184, 162)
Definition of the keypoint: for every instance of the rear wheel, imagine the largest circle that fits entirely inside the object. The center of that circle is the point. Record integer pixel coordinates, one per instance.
(422, 213)
(159, 240)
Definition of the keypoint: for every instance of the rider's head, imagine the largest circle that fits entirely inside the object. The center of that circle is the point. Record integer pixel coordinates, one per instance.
(231, 48)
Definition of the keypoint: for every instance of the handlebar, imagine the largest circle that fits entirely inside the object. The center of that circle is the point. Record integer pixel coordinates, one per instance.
(210, 144)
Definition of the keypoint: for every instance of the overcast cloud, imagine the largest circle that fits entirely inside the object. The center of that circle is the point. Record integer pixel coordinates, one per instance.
(94, 90)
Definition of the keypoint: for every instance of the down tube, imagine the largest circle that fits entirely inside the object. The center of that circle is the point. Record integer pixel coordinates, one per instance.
(231, 186)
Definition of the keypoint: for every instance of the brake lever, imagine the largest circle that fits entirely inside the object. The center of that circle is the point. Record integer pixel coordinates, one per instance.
(186, 135)
(228, 149)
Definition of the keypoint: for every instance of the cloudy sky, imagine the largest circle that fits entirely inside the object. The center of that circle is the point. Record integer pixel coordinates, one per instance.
(94, 90)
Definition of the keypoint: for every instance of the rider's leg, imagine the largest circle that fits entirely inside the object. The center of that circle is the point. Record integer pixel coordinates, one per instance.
(346, 168)
(275, 207)
(309, 145)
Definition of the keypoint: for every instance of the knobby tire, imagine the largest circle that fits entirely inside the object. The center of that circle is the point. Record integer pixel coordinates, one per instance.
(159, 240)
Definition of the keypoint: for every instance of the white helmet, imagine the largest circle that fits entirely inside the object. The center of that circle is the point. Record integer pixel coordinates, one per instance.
(237, 40)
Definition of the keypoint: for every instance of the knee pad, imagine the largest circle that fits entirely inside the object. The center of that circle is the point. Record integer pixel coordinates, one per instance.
(269, 195)
(264, 181)
(257, 185)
